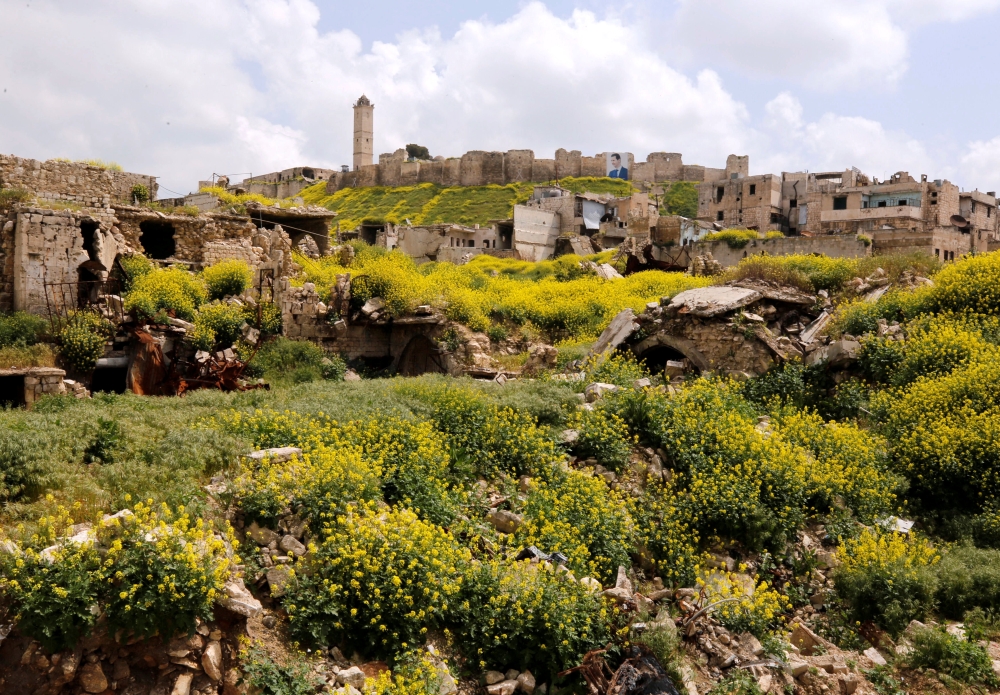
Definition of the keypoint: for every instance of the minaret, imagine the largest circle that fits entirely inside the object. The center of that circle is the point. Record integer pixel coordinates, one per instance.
(363, 132)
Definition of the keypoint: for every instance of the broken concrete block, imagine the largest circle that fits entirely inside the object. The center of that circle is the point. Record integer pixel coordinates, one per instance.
(237, 599)
(620, 328)
(504, 521)
(261, 535)
(873, 655)
(373, 305)
(713, 301)
(596, 391)
(674, 368)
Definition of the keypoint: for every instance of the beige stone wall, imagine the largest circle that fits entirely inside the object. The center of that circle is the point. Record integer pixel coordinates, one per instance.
(835, 246)
(192, 234)
(42, 246)
(480, 168)
(71, 181)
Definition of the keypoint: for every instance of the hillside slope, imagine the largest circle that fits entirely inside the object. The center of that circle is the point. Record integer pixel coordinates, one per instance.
(429, 203)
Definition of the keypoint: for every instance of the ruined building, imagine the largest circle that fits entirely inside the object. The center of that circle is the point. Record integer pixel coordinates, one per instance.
(82, 219)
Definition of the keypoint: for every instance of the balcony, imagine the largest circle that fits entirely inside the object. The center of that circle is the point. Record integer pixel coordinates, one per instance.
(910, 212)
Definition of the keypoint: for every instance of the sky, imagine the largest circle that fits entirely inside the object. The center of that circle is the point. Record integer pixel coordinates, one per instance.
(182, 89)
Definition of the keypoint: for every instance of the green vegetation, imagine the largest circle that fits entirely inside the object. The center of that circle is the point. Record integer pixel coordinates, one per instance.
(681, 198)
(10, 197)
(227, 279)
(734, 238)
(558, 298)
(429, 203)
(962, 660)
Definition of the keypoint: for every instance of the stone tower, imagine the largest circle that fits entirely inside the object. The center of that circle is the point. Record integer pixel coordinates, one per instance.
(363, 132)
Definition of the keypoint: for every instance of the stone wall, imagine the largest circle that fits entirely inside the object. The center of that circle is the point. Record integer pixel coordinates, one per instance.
(193, 235)
(72, 181)
(479, 168)
(44, 381)
(40, 245)
(840, 246)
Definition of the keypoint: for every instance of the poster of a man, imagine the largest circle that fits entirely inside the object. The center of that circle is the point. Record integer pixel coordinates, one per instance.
(617, 169)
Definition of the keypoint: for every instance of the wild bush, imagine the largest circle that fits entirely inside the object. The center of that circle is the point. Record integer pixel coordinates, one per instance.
(134, 267)
(139, 586)
(620, 369)
(734, 238)
(968, 578)
(20, 329)
(383, 579)
(741, 608)
(171, 290)
(21, 469)
(579, 516)
(529, 617)
(297, 361)
(497, 440)
(227, 278)
(323, 482)
(81, 347)
(164, 585)
(941, 433)
(962, 660)
(887, 578)
(602, 436)
(220, 321)
(667, 533)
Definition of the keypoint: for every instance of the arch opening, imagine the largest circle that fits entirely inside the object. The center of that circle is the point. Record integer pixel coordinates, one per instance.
(157, 239)
(421, 356)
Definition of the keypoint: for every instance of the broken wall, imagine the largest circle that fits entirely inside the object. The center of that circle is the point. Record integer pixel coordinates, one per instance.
(72, 181)
(836, 246)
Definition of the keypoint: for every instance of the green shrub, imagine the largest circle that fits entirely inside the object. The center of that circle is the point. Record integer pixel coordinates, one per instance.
(21, 469)
(497, 333)
(881, 358)
(270, 678)
(171, 290)
(134, 266)
(497, 440)
(222, 321)
(380, 579)
(107, 443)
(53, 599)
(140, 193)
(529, 617)
(734, 238)
(202, 337)
(227, 278)
(737, 682)
(962, 660)
(333, 367)
(968, 578)
(681, 199)
(603, 436)
(579, 516)
(887, 578)
(621, 369)
(38, 355)
(81, 347)
(20, 329)
(9, 197)
(269, 320)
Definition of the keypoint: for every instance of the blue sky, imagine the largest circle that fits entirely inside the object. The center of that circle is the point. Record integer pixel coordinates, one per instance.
(184, 88)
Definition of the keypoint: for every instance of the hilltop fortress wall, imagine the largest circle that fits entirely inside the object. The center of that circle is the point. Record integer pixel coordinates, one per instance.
(480, 168)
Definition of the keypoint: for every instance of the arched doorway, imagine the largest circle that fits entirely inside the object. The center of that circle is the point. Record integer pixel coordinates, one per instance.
(657, 349)
(421, 356)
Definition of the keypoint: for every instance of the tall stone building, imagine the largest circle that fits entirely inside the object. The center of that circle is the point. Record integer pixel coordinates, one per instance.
(364, 127)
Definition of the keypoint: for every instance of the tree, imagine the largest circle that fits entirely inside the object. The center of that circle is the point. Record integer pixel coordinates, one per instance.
(417, 152)
(681, 199)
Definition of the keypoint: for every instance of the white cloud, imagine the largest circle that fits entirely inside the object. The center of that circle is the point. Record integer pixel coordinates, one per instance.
(249, 85)
(835, 143)
(826, 46)
(981, 164)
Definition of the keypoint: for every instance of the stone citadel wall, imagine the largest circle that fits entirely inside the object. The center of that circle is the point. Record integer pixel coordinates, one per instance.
(480, 168)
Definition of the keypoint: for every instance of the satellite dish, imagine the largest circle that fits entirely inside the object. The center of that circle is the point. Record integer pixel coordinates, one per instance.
(959, 221)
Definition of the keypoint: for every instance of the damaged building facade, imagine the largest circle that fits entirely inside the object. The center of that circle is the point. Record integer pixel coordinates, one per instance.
(901, 214)
(81, 218)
